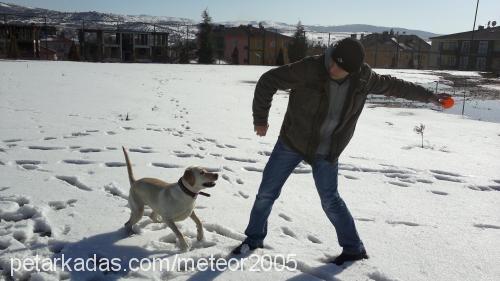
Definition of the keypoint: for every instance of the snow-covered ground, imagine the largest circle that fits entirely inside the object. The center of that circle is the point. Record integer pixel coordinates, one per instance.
(427, 213)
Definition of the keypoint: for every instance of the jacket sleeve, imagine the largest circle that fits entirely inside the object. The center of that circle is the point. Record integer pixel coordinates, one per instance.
(285, 77)
(394, 87)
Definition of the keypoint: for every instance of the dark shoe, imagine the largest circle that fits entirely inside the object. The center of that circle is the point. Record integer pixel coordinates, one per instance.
(244, 248)
(349, 257)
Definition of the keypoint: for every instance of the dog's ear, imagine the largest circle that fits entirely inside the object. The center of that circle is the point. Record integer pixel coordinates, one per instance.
(189, 177)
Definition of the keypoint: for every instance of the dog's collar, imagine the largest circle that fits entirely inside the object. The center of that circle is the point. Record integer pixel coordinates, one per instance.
(189, 192)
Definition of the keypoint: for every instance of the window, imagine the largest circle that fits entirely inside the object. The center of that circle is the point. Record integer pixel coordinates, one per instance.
(465, 47)
(450, 60)
(141, 39)
(483, 48)
(496, 46)
(481, 63)
(160, 40)
(450, 46)
(495, 64)
(464, 62)
(111, 38)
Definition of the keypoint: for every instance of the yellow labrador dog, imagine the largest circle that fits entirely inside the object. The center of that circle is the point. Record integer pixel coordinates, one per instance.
(170, 202)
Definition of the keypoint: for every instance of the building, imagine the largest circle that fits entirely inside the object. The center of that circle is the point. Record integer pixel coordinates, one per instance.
(119, 45)
(468, 51)
(22, 41)
(389, 50)
(251, 45)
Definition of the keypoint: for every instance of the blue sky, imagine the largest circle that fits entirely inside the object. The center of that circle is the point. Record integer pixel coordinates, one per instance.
(438, 16)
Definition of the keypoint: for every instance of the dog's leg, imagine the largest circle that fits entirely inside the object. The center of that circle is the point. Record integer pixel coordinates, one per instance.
(199, 226)
(155, 217)
(182, 240)
(136, 210)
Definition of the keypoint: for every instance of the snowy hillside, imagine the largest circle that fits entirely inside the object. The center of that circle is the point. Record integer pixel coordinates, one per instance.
(74, 19)
(427, 213)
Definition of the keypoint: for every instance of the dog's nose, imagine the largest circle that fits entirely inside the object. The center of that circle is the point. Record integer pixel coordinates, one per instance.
(216, 176)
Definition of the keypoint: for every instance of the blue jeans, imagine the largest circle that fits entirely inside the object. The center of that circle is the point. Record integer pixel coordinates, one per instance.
(282, 162)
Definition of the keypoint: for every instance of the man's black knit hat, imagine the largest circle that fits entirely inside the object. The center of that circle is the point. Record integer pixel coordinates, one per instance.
(349, 54)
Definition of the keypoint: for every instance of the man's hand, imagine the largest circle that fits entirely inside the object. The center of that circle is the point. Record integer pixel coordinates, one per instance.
(436, 99)
(261, 130)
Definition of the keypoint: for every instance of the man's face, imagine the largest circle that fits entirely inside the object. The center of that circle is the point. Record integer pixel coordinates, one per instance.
(336, 72)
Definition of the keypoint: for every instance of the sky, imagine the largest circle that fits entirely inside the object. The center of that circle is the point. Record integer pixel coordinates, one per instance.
(437, 16)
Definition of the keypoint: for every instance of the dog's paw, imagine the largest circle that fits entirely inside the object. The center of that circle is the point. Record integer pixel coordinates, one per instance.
(184, 245)
(200, 237)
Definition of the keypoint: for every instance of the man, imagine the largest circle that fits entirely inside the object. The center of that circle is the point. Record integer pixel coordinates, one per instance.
(327, 95)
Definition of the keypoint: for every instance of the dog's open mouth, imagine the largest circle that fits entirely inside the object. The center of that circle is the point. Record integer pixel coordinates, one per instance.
(209, 184)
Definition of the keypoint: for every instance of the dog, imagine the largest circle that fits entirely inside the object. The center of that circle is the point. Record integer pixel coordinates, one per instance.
(170, 202)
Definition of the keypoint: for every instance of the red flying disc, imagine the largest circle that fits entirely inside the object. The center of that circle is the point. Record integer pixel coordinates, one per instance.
(447, 102)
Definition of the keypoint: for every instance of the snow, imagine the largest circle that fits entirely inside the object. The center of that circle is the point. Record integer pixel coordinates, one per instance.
(492, 87)
(423, 213)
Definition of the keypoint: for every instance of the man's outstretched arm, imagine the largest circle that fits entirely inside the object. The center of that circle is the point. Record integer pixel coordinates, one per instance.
(394, 87)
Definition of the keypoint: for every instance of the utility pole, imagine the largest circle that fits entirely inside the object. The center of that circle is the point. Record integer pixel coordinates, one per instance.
(82, 47)
(472, 38)
(46, 39)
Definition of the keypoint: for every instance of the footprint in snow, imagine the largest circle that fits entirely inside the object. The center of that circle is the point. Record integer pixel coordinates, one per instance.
(12, 140)
(115, 164)
(73, 181)
(425, 181)
(402, 223)
(399, 184)
(243, 194)
(285, 217)
(439, 192)
(141, 150)
(237, 159)
(351, 177)
(89, 150)
(78, 161)
(486, 226)
(59, 205)
(165, 165)
(253, 169)
(225, 177)
(364, 219)
(314, 239)
(287, 231)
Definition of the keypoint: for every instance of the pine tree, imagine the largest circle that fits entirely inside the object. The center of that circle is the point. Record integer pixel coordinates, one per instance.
(297, 49)
(205, 51)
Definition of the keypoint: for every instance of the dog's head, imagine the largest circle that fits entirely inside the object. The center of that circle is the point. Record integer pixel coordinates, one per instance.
(199, 178)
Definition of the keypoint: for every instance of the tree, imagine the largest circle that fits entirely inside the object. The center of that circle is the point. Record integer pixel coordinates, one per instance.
(235, 56)
(205, 50)
(297, 49)
(420, 130)
(281, 58)
(183, 53)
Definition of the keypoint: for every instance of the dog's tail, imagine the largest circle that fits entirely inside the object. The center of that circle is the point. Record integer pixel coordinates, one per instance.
(129, 167)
